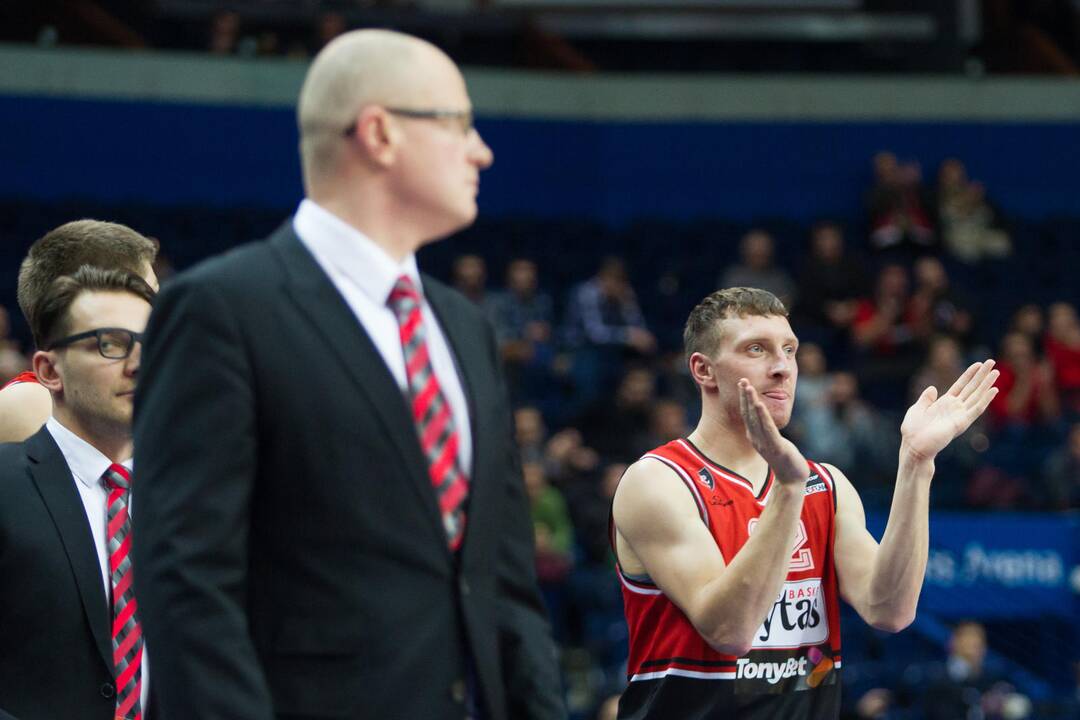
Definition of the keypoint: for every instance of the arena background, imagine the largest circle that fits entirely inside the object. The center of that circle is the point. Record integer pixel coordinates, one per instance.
(666, 170)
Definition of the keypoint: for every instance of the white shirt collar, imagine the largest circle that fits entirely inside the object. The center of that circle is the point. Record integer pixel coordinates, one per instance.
(84, 460)
(351, 253)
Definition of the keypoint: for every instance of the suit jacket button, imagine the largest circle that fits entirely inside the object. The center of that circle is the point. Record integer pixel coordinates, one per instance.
(108, 690)
(463, 586)
(457, 691)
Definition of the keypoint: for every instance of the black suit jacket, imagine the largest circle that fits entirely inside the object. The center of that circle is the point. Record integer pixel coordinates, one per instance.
(54, 619)
(290, 551)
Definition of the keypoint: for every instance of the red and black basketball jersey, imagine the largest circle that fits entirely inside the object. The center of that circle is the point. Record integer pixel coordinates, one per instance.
(23, 377)
(792, 670)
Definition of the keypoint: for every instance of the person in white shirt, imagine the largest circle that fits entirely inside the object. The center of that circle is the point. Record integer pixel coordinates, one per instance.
(70, 625)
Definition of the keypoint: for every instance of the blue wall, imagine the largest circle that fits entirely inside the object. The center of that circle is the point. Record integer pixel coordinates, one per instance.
(171, 153)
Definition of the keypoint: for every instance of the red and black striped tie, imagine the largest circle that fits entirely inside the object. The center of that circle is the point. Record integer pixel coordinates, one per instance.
(431, 412)
(127, 640)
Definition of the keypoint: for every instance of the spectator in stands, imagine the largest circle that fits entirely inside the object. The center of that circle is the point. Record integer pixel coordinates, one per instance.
(530, 432)
(831, 282)
(936, 307)
(1061, 474)
(883, 336)
(523, 316)
(469, 277)
(1062, 348)
(970, 227)
(554, 538)
(1028, 319)
(224, 33)
(967, 685)
(901, 226)
(846, 429)
(551, 524)
(604, 327)
(756, 269)
(618, 426)
(604, 311)
(944, 363)
(567, 458)
(12, 360)
(328, 25)
(1026, 394)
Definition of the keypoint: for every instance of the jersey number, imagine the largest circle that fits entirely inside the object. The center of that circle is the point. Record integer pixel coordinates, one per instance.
(801, 558)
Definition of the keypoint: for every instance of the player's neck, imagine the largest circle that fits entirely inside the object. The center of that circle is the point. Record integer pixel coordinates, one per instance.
(724, 441)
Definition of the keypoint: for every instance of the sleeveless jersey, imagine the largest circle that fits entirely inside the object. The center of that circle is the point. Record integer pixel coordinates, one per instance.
(792, 670)
(23, 377)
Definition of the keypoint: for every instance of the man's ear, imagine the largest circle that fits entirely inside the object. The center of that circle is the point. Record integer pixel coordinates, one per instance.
(44, 363)
(377, 136)
(701, 370)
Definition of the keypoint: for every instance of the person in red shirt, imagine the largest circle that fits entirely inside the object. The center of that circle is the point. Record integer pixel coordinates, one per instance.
(733, 549)
(24, 404)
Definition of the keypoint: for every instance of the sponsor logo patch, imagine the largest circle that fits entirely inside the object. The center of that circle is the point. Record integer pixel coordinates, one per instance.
(706, 478)
(798, 617)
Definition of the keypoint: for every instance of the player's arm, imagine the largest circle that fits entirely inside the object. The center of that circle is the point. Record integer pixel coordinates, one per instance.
(882, 582)
(24, 408)
(658, 521)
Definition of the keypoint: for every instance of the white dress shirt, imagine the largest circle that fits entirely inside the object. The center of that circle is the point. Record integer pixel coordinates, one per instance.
(87, 465)
(365, 274)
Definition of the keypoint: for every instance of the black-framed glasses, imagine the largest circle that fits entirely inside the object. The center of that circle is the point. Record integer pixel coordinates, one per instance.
(462, 118)
(112, 343)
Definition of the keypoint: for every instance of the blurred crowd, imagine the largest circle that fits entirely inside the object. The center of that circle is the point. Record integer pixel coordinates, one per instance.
(880, 317)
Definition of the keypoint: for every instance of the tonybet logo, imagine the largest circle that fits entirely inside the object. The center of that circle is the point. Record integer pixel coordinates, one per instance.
(774, 672)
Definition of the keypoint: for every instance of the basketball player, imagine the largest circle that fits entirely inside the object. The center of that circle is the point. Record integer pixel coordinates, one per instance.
(734, 550)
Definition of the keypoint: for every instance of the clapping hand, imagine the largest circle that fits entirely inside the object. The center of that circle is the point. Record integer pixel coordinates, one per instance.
(933, 422)
(779, 452)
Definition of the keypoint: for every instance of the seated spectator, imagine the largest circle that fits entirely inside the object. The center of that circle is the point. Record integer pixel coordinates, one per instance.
(970, 227)
(883, 336)
(469, 277)
(1061, 475)
(617, 426)
(522, 316)
(944, 363)
(845, 430)
(967, 685)
(900, 223)
(1028, 319)
(554, 537)
(1026, 394)
(604, 326)
(1062, 348)
(529, 433)
(830, 285)
(756, 269)
(224, 36)
(935, 306)
(551, 523)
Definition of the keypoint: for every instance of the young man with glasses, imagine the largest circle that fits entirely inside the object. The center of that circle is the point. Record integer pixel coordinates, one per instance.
(24, 404)
(333, 518)
(72, 642)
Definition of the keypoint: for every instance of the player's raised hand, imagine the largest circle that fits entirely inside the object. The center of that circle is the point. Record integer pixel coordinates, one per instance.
(933, 422)
(781, 454)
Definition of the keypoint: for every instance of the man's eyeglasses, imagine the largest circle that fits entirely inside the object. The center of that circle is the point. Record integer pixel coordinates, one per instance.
(112, 343)
(462, 118)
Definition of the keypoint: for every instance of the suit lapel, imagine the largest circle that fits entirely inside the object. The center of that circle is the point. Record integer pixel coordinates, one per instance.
(56, 485)
(320, 302)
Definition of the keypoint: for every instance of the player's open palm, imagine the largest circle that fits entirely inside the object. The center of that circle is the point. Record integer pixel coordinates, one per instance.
(781, 454)
(932, 422)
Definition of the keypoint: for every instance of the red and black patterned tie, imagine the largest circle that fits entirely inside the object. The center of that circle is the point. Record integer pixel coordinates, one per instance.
(431, 412)
(127, 640)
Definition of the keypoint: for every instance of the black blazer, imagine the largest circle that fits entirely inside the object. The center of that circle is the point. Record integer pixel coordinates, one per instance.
(54, 618)
(291, 557)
